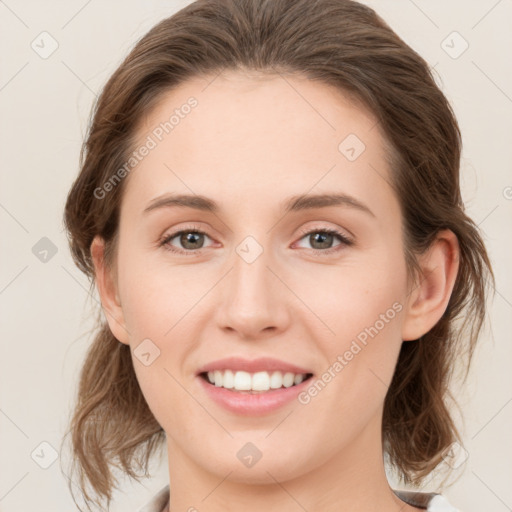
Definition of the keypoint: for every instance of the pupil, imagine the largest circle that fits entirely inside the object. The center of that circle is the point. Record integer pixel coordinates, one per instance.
(190, 238)
(323, 238)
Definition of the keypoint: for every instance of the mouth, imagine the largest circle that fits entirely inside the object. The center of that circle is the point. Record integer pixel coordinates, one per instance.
(254, 383)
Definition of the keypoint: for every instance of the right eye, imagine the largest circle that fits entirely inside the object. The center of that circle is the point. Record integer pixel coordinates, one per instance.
(191, 239)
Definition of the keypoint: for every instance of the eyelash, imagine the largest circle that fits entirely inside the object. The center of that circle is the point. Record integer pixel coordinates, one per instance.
(345, 241)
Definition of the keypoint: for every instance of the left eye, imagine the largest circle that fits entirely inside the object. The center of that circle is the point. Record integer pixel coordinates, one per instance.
(192, 240)
(323, 238)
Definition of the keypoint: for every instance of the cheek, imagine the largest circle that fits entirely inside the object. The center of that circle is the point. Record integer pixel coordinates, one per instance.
(160, 311)
(363, 308)
(156, 297)
(361, 296)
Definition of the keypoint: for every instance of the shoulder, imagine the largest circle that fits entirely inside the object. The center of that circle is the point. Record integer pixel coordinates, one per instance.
(158, 502)
(429, 501)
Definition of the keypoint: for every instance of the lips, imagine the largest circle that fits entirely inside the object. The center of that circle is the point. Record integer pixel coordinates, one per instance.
(252, 387)
(252, 402)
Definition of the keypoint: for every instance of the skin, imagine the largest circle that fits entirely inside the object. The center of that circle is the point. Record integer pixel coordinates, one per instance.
(294, 302)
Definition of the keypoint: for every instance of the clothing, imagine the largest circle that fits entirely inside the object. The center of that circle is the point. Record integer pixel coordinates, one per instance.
(429, 501)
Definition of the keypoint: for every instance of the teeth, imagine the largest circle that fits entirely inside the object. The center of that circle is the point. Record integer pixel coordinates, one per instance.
(259, 381)
(228, 380)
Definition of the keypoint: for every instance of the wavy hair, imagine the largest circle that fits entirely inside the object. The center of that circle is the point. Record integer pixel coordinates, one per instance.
(335, 42)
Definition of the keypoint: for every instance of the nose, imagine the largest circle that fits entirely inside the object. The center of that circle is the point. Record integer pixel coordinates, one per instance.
(254, 302)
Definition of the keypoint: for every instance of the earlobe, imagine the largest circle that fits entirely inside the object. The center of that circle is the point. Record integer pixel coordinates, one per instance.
(429, 297)
(107, 289)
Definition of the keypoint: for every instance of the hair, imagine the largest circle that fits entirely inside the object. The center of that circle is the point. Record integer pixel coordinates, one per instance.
(335, 42)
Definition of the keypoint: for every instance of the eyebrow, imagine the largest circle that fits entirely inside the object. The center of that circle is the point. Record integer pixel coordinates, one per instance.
(293, 204)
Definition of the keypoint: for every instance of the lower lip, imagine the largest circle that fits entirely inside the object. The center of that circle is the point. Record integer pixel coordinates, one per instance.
(253, 404)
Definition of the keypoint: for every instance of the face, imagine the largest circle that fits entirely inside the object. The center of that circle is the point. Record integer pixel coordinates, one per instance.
(268, 266)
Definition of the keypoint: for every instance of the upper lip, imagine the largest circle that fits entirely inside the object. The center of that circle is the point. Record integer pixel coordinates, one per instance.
(261, 364)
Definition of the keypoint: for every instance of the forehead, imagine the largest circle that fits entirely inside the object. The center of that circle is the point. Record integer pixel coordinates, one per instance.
(238, 135)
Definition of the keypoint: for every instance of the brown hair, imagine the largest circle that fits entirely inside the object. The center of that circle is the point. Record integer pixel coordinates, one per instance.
(336, 42)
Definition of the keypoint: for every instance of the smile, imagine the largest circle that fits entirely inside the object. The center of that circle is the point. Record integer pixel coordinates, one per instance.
(258, 382)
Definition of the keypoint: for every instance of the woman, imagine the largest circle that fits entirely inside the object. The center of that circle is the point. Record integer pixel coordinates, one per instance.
(269, 205)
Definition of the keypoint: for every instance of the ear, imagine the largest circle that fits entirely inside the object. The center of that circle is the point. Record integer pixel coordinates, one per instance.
(107, 289)
(429, 298)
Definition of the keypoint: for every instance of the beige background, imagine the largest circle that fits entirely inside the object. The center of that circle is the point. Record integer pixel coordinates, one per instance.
(44, 108)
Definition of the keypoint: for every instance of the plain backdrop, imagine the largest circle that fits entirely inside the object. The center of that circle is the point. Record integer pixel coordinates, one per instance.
(45, 100)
